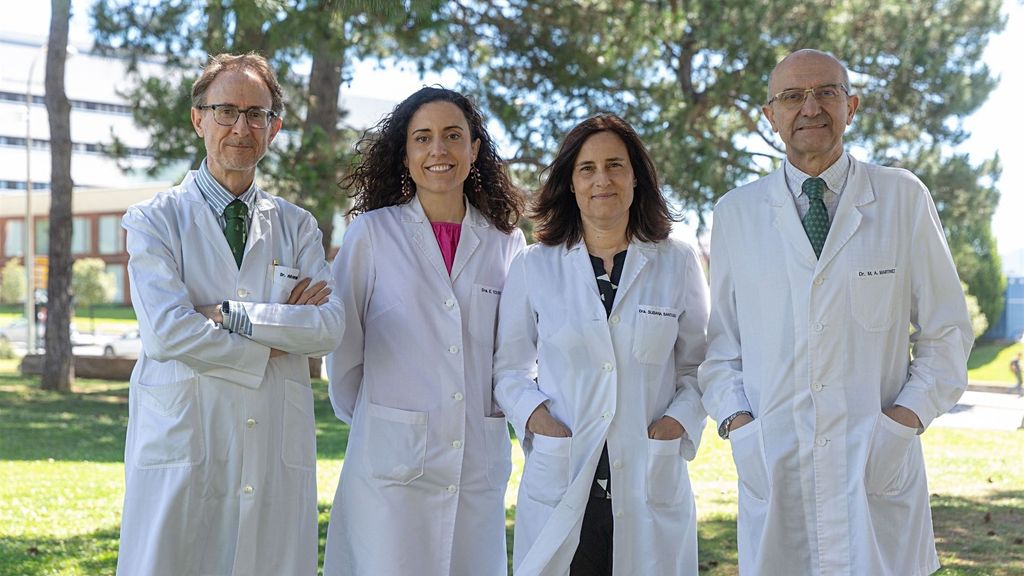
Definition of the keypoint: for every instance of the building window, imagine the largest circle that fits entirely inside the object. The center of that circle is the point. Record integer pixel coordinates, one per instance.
(81, 236)
(111, 239)
(42, 238)
(14, 238)
(117, 271)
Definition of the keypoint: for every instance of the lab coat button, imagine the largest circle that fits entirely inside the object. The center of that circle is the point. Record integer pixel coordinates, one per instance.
(242, 292)
(614, 319)
(453, 349)
(818, 326)
(822, 441)
(618, 514)
(817, 386)
(607, 367)
(819, 281)
(449, 303)
(617, 464)
(457, 396)
(457, 444)
(248, 489)
(606, 415)
(250, 423)
(452, 489)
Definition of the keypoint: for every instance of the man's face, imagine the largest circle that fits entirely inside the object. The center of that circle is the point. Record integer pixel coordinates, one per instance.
(232, 152)
(812, 131)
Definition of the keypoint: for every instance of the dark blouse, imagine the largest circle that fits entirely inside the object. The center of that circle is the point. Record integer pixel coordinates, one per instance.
(606, 286)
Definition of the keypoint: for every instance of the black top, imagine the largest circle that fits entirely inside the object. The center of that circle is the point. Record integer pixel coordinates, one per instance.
(606, 286)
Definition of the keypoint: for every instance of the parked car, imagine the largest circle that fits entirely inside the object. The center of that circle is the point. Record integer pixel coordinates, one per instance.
(17, 331)
(126, 345)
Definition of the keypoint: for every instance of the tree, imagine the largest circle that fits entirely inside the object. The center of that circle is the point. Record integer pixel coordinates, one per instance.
(58, 368)
(311, 155)
(12, 282)
(692, 75)
(92, 285)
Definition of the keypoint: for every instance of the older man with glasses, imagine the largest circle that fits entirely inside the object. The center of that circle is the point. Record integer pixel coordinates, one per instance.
(838, 333)
(233, 294)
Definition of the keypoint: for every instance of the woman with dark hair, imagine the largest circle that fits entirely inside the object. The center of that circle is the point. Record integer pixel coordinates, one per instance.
(420, 272)
(601, 328)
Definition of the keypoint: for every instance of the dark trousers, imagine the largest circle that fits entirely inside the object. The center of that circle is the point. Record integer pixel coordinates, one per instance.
(594, 555)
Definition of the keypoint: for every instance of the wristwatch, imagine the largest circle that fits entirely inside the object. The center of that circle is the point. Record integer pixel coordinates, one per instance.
(225, 310)
(723, 428)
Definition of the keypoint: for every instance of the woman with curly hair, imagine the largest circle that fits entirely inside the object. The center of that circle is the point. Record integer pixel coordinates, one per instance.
(420, 273)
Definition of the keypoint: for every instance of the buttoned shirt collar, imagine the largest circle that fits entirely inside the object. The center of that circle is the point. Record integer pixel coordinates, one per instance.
(217, 196)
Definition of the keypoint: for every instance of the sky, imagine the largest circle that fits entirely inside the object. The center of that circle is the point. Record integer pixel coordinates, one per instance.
(989, 126)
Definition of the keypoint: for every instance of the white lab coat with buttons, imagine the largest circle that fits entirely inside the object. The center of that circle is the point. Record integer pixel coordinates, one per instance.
(607, 378)
(428, 459)
(815, 349)
(221, 453)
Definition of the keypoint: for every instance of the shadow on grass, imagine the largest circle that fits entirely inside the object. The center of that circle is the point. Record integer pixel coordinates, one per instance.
(980, 535)
(90, 424)
(94, 554)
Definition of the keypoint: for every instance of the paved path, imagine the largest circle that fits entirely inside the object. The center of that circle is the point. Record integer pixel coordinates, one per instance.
(985, 411)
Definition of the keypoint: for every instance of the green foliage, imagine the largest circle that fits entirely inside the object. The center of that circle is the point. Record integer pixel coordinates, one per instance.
(979, 323)
(12, 282)
(91, 283)
(966, 197)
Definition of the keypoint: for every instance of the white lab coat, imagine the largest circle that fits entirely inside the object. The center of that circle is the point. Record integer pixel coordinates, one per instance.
(607, 378)
(221, 452)
(428, 459)
(816, 349)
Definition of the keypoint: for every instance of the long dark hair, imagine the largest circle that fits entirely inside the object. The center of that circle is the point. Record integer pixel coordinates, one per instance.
(554, 210)
(376, 181)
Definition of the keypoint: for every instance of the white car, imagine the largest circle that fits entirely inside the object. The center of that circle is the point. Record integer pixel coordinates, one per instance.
(127, 345)
(16, 331)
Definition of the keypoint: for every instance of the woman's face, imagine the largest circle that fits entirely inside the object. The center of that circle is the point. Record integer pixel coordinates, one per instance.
(439, 151)
(603, 182)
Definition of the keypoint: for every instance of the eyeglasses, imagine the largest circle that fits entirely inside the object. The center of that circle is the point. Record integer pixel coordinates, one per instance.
(227, 114)
(795, 97)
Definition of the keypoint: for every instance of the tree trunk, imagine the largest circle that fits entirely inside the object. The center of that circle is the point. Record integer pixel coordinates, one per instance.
(58, 368)
(320, 131)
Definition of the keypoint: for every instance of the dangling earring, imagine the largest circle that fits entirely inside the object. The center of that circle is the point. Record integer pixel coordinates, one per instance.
(474, 174)
(406, 187)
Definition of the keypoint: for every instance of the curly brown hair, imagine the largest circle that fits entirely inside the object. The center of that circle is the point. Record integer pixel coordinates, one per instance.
(554, 210)
(376, 181)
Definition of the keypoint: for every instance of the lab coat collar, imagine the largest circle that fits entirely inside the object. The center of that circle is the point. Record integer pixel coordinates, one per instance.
(422, 235)
(412, 211)
(859, 193)
(638, 253)
(206, 222)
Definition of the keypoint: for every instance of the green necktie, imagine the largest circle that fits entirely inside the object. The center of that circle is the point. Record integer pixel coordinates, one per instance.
(235, 229)
(816, 219)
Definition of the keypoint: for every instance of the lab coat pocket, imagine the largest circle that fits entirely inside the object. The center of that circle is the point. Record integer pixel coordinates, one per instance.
(483, 312)
(284, 280)
(499, 451)
(298, 447)
(665, 470)
(873, 288)
(655, 334)
(547, 469)
(168, 425)
(885, 470)
(751, 463)
(398, 443)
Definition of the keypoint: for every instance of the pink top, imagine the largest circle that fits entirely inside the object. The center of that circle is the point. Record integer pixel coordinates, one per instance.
(447, 234)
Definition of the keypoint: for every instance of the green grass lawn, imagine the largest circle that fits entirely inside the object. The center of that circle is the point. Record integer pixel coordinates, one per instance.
(990, 362)
(60, 498)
